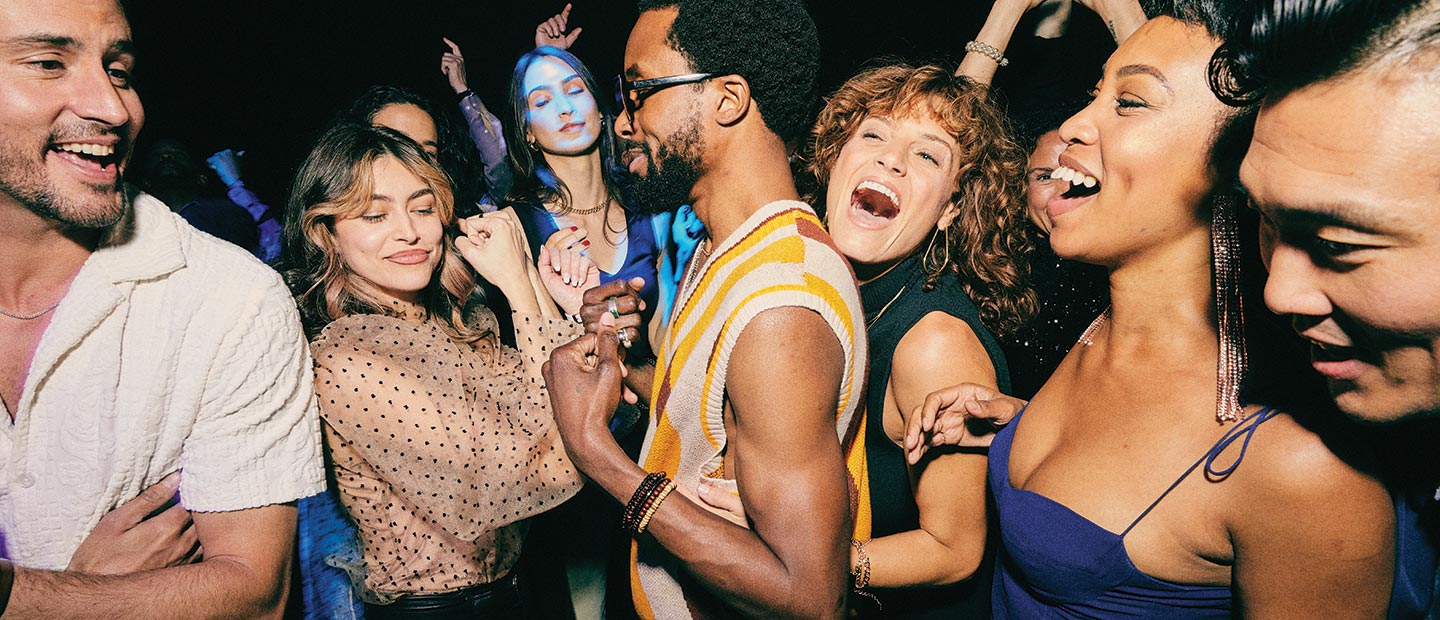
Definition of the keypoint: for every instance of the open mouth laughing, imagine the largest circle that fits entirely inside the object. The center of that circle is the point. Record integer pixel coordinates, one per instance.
(874, 204)
(96, 160)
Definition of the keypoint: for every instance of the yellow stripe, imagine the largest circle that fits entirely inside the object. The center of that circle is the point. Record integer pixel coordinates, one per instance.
(664, 450)
(858, 466)
(637, 591)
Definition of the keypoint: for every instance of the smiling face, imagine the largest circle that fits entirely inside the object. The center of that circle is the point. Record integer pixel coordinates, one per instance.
(1138, 155)
(1351, 235)
(411, 120)
(1040, 186)
(395, 242)
(68, 113)
(560, 111)
(891, 187)
(661, 142)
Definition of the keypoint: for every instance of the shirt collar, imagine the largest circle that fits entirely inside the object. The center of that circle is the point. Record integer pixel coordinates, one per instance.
(143, 245)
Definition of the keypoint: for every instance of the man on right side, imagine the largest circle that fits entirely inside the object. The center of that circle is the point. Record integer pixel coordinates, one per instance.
(1343, 168)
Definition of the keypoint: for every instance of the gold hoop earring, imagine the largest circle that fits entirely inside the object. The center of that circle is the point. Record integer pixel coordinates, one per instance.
(928, 258)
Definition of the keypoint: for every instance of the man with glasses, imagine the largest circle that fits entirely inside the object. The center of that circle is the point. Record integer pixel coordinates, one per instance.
(762, 364)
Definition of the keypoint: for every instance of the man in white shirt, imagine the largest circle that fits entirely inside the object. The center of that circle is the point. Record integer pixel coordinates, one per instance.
(131, 347)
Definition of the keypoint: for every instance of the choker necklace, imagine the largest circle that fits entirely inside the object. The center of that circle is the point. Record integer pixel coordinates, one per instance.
(591, 210)
(27, 317)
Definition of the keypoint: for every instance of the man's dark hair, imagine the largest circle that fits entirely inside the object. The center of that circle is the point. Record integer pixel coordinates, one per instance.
(771, 43)
(1279, 46)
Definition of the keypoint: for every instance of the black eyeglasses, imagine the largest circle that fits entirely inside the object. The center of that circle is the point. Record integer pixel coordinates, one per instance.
(628, 95)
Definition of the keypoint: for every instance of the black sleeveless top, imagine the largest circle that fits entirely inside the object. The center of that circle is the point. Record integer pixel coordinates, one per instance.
(894, 303)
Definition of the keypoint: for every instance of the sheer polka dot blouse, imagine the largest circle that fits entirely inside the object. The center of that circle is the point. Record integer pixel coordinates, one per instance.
(439, 449)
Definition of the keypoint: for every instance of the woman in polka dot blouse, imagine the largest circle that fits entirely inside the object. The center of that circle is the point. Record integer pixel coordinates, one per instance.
(440, 439)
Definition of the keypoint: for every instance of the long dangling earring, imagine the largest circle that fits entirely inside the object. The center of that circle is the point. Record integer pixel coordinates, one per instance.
(1229, 309)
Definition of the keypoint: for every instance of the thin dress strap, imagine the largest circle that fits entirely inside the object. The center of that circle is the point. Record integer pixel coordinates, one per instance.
(1245, 428)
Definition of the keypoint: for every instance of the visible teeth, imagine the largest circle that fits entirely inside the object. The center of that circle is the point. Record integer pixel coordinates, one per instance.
(98, 150)
(871, 185)
(1074, 177)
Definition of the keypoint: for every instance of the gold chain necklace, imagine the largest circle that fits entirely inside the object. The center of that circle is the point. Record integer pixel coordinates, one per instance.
(590, 211)
(696, 261)
(886, 306)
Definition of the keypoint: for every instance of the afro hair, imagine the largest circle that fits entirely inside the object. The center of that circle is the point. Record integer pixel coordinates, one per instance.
(773, 44)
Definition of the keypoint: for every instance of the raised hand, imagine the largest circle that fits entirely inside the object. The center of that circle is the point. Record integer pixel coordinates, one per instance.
(452, 64)
(966, 415)
(132, 539)
(583, 379)
(551, 32)
(494, 250)
(226, 164)
(566, 275)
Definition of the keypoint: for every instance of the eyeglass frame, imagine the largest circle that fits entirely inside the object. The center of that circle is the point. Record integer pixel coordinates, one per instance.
(644, 88)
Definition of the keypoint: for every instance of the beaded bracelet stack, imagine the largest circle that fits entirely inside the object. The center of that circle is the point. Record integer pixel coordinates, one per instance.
(646, 500)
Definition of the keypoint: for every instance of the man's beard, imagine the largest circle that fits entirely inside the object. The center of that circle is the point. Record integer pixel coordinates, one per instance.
(671, 171)
(28, 182)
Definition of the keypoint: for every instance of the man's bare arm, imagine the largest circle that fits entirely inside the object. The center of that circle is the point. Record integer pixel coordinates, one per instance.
(784, 378)
(245, 574)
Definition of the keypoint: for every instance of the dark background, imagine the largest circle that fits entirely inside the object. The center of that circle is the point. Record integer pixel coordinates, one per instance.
(264, 76)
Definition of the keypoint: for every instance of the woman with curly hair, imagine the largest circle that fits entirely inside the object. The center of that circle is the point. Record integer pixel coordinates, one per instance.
(923, 192)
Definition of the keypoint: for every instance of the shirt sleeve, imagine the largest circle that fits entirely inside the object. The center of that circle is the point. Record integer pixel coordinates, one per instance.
(256, 440)
(470, 444)
(486, 131)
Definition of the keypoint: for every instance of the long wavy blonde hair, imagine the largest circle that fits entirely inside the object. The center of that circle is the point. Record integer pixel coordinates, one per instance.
(985, 245)
(335, 182)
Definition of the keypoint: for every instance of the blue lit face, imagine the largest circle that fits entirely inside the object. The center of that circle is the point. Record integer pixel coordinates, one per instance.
(561, 113)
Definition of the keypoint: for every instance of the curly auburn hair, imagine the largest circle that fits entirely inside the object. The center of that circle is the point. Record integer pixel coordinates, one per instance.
(773, 44)
(985, 245)
(335, 182)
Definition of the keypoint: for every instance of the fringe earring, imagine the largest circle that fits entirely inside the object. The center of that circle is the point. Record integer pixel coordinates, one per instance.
(1229, 309)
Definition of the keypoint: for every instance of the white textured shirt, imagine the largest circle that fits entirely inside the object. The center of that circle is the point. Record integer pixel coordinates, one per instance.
(171, 350)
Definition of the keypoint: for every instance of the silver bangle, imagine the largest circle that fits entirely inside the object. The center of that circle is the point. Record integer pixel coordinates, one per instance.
(988, 50)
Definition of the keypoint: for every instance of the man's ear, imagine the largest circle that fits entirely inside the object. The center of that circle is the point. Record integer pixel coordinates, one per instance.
(734, 101)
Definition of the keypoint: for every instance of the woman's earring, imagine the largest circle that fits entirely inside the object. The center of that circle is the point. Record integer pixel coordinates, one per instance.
(1230, 309)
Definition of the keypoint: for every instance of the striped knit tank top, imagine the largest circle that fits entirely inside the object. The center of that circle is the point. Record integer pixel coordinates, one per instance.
(780, 257)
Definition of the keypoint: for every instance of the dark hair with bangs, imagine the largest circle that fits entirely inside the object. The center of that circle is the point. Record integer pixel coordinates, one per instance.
(773, 44)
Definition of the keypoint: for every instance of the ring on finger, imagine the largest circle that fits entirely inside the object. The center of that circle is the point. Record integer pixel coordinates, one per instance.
(610, 305)
(624, 336)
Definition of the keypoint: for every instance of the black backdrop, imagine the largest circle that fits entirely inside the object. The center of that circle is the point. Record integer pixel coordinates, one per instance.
(264, 75)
